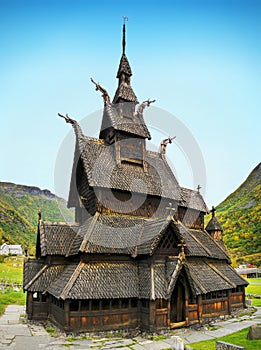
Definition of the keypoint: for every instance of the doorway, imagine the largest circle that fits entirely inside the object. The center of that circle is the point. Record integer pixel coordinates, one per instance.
(177, 304)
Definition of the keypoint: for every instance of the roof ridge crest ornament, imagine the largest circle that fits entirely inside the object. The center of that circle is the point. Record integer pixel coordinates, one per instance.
(105, 94)
(143, 105)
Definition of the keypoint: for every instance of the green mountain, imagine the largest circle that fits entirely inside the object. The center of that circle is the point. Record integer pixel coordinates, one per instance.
(19, 207)
(239, 215)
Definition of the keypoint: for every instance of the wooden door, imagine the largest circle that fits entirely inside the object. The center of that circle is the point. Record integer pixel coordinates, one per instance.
(177, 304)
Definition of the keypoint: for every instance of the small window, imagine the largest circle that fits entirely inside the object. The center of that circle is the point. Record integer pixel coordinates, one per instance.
(85, 305)
(106, 304)
(145, 303)
(220, 294)
(125, 303)
(74, 305)
(115, 304)
(208, 296)
(95, 305)
(36, 296)
(134, 303)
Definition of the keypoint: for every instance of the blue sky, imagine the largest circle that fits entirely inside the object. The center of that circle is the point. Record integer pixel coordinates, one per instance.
(200, 60)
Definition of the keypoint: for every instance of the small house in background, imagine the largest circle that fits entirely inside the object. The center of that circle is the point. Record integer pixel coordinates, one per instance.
(138, 255)
(15, 249)
(249, 272)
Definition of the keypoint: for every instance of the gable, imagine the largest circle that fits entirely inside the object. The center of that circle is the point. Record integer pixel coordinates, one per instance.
(168, 244)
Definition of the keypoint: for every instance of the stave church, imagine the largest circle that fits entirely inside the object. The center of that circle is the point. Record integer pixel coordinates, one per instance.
(139, 254)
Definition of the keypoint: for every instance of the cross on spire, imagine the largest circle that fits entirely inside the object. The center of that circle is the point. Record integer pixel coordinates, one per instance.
(171, 210)
(213, 211)
(198, 188)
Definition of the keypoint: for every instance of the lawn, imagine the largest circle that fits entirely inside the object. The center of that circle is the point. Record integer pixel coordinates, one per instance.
(11, 298)
(253, 280)
(237, 338)
(253, 289)
(11, 271)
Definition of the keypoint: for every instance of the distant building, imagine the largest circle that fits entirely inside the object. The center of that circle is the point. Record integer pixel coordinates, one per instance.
(249, 272)
(11, 249)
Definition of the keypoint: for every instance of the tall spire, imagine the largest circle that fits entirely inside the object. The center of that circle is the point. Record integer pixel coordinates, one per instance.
(125, 19)
(124, 91)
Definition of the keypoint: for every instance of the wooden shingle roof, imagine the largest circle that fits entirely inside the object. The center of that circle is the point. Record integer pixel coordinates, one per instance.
(116, 234)
(31, 268)
(99, 162)
(132, 235)
(213, 225)
(192, 199)
(129, 279)
(97, 280)
(41, 281)
(200, 243)
(56, 238)
(205, 278)
(112, 118)
(124, 66)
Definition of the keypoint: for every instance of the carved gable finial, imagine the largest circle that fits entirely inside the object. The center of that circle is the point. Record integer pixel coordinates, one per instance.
(164, 143)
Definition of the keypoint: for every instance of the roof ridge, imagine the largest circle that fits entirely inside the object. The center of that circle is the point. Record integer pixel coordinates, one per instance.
(219, 246)
(174, 276)
(196, 280)
(72, 279)
(89, 230)
(221, 274)
(202, 245)
(36, 277)
(59, 223)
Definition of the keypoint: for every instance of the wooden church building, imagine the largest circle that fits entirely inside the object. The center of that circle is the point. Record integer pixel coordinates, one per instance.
(138, 255)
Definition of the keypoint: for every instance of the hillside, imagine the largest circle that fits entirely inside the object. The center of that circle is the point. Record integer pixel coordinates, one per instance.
(19, 207)
(239, 215)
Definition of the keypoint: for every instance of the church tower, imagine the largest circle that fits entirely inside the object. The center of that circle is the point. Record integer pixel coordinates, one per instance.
(121, 124)
(214, 228)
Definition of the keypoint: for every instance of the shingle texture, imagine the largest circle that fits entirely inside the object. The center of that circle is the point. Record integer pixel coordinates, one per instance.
(125, 92)
(124, 66)
(31, 268)
(132, 279)
(56, 238)
(47, 276)
(200, 243)
(136, 236)
(100, 166)
(97, 280)
(112, 118)
(192, 199)
(205, 278)
(213, 225)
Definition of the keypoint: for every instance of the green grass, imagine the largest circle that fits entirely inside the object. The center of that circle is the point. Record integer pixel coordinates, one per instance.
(237, 338)
(12, 298)
(254, 280)
(51, 331)
(253, 289)
(256, 302)
(11, 271)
